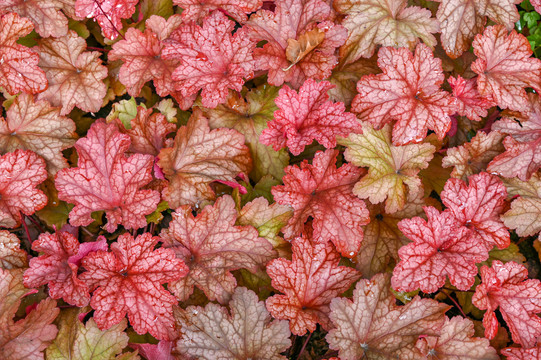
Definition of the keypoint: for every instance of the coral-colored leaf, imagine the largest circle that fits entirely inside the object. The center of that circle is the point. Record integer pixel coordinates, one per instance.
(505, 67)
(287, 26)
(108, 13)
(211, 58)
(128, 280)
(310, 281)
(507, 286)
(147, 132)
(440, 248)
(244, 332)
(35, 125)
(46, 16)
(390, 168)
(461, 20)
(456, 341)
(106, 179)
(141, 56)
(80, 341)
(160, 351)
(389, 23)
(522, 157)
(11, 255)
(408, 91)
(306, 116)
(467, 99)
(525, 213)
(19, 69)
(479, 206)
(382, 238)
(324, 192)
(25, 338)
(474, 157)
(521, 353)
(20, 173)
(212, 246)
(200, 156)
(197, 10)
(250, 118)
(75, 76)
(54, 268)
(374, 327)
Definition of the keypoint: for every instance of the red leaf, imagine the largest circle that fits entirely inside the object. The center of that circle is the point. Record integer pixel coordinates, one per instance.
(505, 67)
(372, 326)
(479, 206)
(306, 116)
(44, 14)
(310, 281)
(507, 286)
(522, 157)
(287, 26)
(75, 76)
(148, 132)
(467, 99)
(522, 354)
(322, 191)
(129, 280)
(20, 174)
(440, 248)
(19, 69)
(200, 156)
(197, 10)
(211, 59)
(407, 91)
(54, 268)
(108, 13)
(141, 56)
(35, 125)
(212, 246)
(106, 179)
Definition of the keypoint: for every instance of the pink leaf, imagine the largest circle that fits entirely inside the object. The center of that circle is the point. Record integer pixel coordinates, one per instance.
(108, 13)
(467, 99)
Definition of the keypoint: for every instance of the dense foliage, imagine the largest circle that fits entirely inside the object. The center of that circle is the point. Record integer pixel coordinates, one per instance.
(283, 179)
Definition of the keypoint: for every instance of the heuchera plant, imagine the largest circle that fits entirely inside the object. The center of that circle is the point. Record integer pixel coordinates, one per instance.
(278, 179)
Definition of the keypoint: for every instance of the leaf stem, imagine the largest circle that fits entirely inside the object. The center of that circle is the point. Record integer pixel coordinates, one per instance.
(454, 302)
(304, 345)
(23, 221)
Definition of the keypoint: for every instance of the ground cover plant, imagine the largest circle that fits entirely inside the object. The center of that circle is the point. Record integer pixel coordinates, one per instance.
(284, 179)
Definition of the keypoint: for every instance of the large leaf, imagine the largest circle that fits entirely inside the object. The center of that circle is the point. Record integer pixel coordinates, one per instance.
(106, 179)
(197, 10)
(525, 213)
(108, 13)
(46, 16)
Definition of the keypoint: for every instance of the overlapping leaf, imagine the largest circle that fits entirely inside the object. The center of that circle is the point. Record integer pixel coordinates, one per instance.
(525, 214)
(505, 67)
(211, 58)
(46, 16)
(75, 76)
(141, 56)
(478, 206)
(372, 326)
(11, 255)
(196, 10)
(324, 192)
(407, 91)
(212, 246)
(129, 280)
(301, 41)
(19, 69)
(310, 281)
(467, 100)
(440, 248)
(108, 13)
(200, 156)
(392, 170)
(507, 287)
(35, 125)
(307, 116)
(106, 179)
(244, 332)
(522, 157)
(20, 174)
(461, 20)
(388, 23)
(250, 118)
